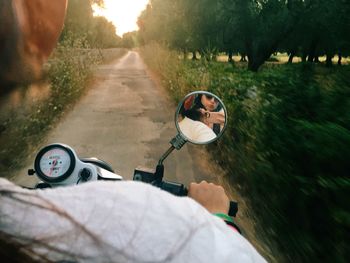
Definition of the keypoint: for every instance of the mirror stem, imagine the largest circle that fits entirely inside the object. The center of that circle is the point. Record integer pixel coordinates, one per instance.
(165, 155)
(176, 143)
(160, 167)
(159, 174)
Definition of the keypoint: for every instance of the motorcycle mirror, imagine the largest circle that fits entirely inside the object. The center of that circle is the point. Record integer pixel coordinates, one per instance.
(201, 117)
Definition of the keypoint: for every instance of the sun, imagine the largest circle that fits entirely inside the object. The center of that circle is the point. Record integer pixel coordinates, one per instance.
(122, 13)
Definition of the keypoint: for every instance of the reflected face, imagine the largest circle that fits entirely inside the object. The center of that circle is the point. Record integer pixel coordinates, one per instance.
(209, 102)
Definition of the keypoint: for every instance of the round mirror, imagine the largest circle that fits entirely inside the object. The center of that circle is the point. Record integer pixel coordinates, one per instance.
(201, 117)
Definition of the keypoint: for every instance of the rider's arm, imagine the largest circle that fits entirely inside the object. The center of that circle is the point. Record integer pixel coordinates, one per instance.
(214, 199)
(117, 221)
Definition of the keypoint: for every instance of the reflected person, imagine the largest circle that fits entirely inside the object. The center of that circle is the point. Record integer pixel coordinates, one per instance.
(191, 124)
(214, 115)
(206, 109)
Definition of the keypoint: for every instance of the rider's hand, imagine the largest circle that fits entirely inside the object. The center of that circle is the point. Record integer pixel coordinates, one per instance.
(216, 117)
(209, 117)
(211, 196)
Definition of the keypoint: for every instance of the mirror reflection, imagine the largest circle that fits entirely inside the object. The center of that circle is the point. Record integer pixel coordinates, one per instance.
(201, 117)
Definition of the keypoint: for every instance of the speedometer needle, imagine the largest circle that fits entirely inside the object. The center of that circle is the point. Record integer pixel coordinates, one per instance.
(54, 163)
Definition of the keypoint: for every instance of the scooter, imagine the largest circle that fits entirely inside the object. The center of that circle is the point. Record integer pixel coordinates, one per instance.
(58, 164)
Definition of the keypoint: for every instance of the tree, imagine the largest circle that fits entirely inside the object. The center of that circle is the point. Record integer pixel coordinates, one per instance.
(78, 18)
(256, 28)
(103, 33)
(82, 26)
(130, 39)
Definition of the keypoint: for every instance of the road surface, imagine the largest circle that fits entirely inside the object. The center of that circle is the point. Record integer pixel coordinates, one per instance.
(126, 120)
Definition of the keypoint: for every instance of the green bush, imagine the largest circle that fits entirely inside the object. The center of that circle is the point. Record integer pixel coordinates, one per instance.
(288, 145)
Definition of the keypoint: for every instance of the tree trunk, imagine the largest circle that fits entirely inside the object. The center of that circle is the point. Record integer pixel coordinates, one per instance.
(329, 60)
(310, 58)
(230, 56)
(185, 54)
(339, 59)
(303, 57)
(291, 56)
(258, 58)
(255, 63)
(243, 58)
(312, 51)
(316, 60)
(194, 55)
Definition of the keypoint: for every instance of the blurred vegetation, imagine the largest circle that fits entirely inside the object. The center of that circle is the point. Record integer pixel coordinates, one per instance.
(287, 145)
(130, 40)
(255, 29)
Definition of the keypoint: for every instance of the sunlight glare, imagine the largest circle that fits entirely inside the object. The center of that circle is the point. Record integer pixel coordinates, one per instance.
(122, 13)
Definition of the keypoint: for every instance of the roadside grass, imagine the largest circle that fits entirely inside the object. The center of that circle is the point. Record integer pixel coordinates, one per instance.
(67, 75)
(286, 146)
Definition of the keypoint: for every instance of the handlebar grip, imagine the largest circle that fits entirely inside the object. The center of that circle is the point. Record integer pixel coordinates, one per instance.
(233, 209)
(173, 188)
(185, 191)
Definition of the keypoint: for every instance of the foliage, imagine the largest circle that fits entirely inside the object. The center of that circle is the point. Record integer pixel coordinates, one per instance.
(177, 77)
(256, 28)
(103, 34)
(287, 144)
(130, 40)
(96, 32)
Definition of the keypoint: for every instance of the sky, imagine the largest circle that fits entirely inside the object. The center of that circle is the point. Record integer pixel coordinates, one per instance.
(122, 13)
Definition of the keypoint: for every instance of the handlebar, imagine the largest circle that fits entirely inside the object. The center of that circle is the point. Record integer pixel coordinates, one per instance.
(181, 190)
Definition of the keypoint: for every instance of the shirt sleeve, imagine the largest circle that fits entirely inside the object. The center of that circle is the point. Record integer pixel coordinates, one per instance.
(204, 133)
(118, 222)
(196, 131)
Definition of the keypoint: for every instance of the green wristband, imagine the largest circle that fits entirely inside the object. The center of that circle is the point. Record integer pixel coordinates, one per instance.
(224, 216)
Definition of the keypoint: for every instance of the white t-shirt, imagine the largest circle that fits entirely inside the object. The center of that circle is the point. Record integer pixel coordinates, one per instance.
(196, 131)
(118, 222)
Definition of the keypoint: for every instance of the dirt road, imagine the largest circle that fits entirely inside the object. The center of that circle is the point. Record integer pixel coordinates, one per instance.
(126, 120)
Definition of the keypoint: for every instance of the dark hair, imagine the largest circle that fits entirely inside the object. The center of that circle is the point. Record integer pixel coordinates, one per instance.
(13, 251)
(198, 101)
(194, 114)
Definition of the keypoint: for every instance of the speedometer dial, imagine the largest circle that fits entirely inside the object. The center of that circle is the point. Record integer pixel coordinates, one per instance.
(54, 163)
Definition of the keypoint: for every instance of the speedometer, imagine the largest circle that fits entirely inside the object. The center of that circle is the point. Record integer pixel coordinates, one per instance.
(54, 163)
